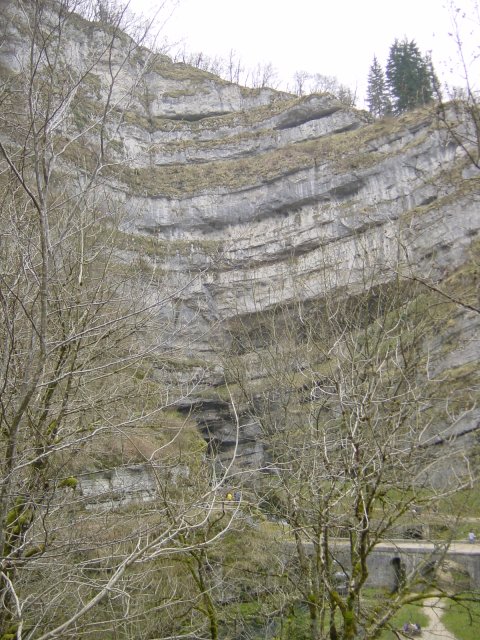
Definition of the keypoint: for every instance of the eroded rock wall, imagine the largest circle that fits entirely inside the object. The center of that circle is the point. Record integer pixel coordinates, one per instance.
(249, 198)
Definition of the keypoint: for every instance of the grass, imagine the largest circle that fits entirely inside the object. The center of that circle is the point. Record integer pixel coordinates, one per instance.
(466, 502)
(463, 619)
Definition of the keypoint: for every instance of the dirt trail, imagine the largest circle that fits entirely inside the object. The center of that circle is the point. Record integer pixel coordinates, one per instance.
(433, 609)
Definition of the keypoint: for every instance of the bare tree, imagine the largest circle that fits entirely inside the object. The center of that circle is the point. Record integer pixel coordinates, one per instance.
(263, 75)
(329, 84)
(305, 83)
(85, 330)
(200, 60)
(300, 79)
(458, 108)
(234, 67)
(350, 419)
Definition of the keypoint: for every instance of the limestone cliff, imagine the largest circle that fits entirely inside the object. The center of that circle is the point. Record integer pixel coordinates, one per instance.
(249, 198)
(250, 206)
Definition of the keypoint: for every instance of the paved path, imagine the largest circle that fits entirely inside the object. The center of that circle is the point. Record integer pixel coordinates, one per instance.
(433, 609)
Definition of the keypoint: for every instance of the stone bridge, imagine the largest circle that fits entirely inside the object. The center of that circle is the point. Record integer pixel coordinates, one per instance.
(391, 561)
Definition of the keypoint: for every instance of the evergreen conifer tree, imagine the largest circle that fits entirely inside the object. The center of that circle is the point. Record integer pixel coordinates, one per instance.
(378, 100)
(409, 76)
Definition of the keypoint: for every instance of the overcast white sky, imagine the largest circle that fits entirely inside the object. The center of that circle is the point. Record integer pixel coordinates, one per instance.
(331, 37)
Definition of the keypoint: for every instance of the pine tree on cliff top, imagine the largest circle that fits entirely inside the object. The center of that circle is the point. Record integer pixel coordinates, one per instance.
(409, 76)
(378, 100)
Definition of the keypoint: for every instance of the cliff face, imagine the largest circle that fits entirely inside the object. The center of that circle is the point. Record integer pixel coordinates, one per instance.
(246, 199)
(263, 206)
